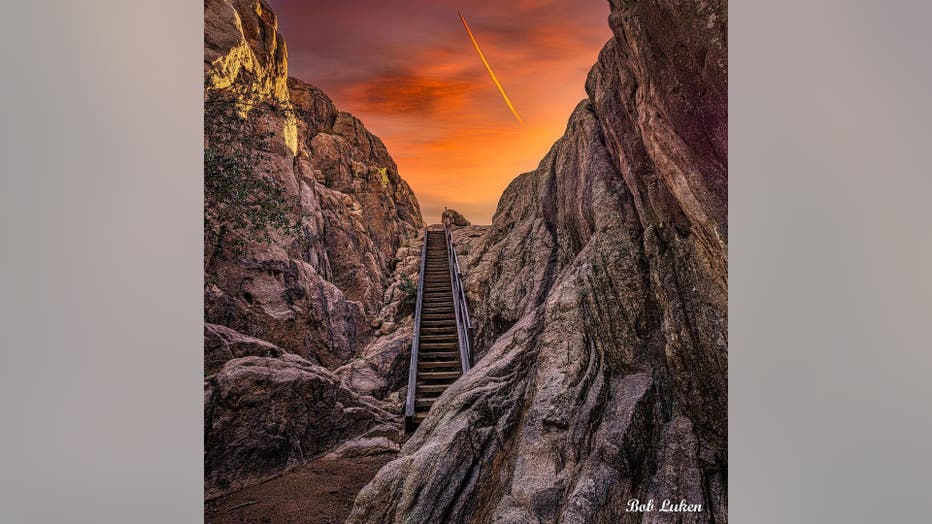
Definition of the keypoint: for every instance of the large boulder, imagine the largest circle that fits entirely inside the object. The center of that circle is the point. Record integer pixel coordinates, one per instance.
(455, 218)
(222, 344)
(264, 415)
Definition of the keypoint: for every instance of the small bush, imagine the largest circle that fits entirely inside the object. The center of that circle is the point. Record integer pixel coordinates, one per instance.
(240, 201)
(408, 290)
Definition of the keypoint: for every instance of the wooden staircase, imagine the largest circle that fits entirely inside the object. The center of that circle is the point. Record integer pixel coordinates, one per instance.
(441, 328)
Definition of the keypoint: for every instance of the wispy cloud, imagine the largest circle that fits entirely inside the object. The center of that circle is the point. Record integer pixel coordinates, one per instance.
(409, 71)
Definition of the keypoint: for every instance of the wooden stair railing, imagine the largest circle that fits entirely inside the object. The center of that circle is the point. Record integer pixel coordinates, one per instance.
(461, 305)
(441, 345)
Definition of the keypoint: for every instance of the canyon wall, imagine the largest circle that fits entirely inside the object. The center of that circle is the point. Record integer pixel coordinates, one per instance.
(306, 331)
(600, 298)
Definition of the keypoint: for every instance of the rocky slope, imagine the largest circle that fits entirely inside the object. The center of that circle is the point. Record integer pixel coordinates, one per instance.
(600, 297)
(306, 334)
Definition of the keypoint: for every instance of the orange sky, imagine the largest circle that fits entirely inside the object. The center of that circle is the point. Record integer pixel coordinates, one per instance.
(410, 72)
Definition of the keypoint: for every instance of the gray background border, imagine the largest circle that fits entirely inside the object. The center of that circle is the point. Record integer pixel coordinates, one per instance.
(101, 409)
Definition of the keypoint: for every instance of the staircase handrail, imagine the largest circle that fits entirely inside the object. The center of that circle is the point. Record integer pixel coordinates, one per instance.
(412, 368)
(460, 304)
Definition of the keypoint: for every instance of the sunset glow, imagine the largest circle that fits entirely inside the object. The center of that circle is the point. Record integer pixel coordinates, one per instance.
(406, 70)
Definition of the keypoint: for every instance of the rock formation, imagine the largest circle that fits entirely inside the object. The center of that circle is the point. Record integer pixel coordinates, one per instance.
(307, 330)
(600, 297)
(455, 218)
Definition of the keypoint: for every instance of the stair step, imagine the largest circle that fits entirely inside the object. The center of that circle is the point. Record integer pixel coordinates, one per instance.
(432, 388)
(438, 355)
(433, 394)
(439, 364)
(439, 375)
(424, 403)
(431, 346)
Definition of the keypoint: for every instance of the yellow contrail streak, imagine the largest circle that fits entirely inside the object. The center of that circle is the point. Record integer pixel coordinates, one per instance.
(489, 68)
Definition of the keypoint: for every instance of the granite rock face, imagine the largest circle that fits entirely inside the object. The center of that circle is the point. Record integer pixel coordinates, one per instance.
(600, 301)
(313, 294)
(307, 333)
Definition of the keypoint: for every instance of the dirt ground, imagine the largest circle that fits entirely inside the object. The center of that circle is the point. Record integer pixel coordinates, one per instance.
(321, 492)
